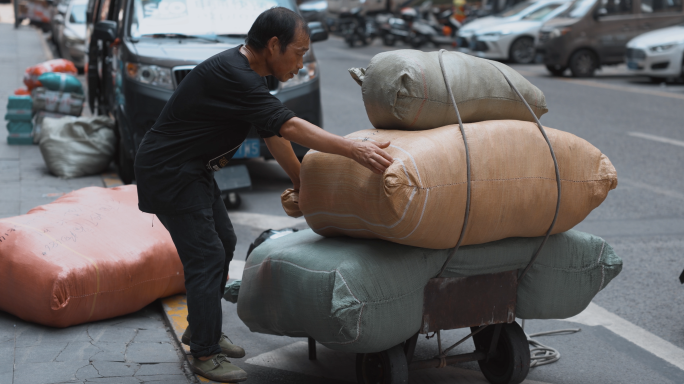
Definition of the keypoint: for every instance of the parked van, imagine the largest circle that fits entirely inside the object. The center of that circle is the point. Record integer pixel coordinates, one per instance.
(592, 33)
(140, 50)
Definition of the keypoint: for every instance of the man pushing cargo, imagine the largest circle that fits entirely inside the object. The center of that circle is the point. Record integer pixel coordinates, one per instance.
(201, 127)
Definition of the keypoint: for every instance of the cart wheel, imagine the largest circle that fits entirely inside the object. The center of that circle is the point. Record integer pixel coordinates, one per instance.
(232, 200)
(386, 367)
(511, 363)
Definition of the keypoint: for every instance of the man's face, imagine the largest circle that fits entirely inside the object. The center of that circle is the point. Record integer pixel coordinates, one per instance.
(285, 65)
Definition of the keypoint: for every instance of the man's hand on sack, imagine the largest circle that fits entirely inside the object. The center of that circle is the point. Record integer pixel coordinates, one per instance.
(371, 155)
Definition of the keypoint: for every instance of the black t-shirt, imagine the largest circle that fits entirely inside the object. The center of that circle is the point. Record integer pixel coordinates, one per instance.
(205, 121)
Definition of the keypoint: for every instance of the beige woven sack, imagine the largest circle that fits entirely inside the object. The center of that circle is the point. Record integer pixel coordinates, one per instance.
(420, 199)
(405, 89)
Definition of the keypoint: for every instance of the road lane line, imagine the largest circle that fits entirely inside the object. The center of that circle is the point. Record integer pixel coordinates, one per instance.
(625, 89)
(595, 315)
(660, 191)
(659, 139)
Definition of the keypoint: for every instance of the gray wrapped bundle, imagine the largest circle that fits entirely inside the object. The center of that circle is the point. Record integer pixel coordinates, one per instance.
(405, 89)
(360, 295)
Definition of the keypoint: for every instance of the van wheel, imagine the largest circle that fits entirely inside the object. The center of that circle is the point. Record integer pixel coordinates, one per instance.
(522, 51)
(583, 63)
(556, 70)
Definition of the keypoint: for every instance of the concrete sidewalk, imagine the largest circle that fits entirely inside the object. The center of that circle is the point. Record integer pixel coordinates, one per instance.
(137, 348)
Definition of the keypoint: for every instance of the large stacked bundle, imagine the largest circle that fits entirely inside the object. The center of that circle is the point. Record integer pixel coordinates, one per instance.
(90, 255)
(420, 199)
(361, 295)
(19, 114)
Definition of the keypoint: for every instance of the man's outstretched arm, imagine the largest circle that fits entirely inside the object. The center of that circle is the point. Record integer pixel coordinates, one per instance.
(282, 151)
(370, 155)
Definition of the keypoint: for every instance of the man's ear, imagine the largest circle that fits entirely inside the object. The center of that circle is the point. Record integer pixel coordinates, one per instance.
(273, 45)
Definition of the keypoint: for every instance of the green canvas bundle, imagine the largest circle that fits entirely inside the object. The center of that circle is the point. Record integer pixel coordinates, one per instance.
(362, 295)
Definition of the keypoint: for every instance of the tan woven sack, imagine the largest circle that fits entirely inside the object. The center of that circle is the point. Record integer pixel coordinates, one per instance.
(420, 199)
(404, 89)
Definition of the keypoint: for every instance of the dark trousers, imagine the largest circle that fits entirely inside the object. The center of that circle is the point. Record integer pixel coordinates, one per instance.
(205, 241)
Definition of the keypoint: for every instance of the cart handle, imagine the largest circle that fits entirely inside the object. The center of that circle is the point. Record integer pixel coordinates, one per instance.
(453, 250)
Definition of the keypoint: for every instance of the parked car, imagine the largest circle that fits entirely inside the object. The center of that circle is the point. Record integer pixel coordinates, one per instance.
(515, 13)
(658, 54)
(315, 10)
(514, 40)
(57, 9)
(592, 33)
(140, 50)
(71, 32)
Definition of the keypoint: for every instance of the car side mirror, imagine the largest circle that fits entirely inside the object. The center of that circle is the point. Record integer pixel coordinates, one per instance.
(58, 19)
(318, 31)
(601, 12)
(105, 30)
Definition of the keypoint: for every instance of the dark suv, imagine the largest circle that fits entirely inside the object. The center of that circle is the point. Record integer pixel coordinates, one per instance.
(140, 50)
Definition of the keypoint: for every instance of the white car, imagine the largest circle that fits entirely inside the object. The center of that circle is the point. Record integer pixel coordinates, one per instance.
(514, 40)
(514, 14)
(658, 54)
(71, 32)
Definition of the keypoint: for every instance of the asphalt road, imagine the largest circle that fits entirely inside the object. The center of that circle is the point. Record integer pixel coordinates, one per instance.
(640, 127)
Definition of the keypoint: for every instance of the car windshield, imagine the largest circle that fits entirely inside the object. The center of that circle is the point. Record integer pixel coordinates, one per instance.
(171, 18)
(517, 9)
(542, 13)
(78, 14)
(578, 9)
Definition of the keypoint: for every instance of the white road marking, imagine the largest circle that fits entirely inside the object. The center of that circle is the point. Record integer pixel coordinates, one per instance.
(595, 315)
(342, 366)
(659, 139)
(660, 191)
(262, 221)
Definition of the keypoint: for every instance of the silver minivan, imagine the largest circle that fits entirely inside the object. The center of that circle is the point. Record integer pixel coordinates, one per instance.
(592, 33)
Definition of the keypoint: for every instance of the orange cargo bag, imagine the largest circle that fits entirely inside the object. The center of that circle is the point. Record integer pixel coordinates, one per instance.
(89, 255)
(32, 74)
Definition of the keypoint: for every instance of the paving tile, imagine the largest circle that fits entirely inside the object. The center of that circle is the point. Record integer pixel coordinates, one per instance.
(6, 358)
(44, 352)
(33, 334)
(111, 368)
(108, 332)
(166, 379)
(155, 334)
(115, 380)
(78, 351)
(151, 353)
(160, 369)
(110, 352)
(87, 372)
(45, 373)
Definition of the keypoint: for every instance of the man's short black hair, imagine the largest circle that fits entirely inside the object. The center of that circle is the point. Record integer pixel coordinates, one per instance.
(279, 22)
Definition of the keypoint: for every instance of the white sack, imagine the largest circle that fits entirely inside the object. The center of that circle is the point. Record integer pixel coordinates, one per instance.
(77, 147)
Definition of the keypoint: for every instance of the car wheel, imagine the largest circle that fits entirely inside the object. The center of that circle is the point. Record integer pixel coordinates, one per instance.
(583, 63)
(556, 70)
(522, 51)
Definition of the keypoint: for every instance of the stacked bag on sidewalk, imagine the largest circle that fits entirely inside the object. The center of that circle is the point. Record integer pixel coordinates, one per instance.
(52, 90)
(354, 282)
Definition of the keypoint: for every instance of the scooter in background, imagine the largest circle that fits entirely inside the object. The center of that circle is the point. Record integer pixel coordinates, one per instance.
(355, 27)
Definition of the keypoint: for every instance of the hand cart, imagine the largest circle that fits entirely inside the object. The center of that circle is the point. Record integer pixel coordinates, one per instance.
(485, 304)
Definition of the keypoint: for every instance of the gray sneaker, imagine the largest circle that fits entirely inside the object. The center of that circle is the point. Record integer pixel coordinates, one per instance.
(227, 346)
(218, 369)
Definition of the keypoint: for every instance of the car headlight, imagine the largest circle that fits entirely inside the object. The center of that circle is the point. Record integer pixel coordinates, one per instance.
(558, 32)
(493, 35)
(661, 48)
(150, 74)
(306, 74)
(71, 38)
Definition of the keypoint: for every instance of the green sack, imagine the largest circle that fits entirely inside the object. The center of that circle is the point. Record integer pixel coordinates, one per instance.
(19, 102)
(360, 295)
(20, 126)
(61, 82)
(19, 115)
